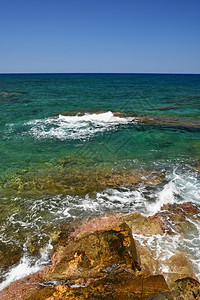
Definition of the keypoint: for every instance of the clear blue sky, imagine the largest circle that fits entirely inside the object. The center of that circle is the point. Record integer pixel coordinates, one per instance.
(130, 36)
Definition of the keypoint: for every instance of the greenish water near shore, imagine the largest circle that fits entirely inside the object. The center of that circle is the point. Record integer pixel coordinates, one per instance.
(44, 145)
(31, 137)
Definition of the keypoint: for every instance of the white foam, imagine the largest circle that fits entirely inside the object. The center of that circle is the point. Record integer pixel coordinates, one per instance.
(166, 195)
(187, 184)
(162, 247)
(75, 127)
(182, 186)
(27, 266)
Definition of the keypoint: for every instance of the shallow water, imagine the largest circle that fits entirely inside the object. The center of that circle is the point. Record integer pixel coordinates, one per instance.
(37, 139)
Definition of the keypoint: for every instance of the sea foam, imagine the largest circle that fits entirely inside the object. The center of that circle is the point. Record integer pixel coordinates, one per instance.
(26, 266)
(75, 127)
(181, 186)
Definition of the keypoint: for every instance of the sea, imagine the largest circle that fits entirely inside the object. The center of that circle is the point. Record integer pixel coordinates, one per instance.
(65, 123)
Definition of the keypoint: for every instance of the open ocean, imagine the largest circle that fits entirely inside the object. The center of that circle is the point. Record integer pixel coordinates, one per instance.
(51, 124)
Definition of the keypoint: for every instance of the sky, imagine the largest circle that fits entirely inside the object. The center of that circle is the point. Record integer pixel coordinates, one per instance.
(100, 36)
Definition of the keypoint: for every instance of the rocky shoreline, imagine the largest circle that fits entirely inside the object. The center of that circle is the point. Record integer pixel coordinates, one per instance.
(103, 259)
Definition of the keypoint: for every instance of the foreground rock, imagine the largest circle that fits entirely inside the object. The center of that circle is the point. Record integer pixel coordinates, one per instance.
(184, 289)
(100, 265)
(100, 259)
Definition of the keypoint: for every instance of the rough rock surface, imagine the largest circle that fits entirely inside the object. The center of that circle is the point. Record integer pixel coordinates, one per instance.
(180, 215)
(100, 259)
(95, 255)
(184, 289)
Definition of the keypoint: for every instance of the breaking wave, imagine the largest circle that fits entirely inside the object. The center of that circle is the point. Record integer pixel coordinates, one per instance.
(26, 266)
(180, 187)
(75, 127)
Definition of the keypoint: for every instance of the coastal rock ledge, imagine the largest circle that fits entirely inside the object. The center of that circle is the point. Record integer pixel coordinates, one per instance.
(100, 259)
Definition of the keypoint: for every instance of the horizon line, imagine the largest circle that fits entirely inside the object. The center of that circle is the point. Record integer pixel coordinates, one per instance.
(131, 73)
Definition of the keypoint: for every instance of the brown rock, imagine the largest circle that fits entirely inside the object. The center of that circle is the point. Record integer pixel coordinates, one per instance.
(179, 267)
(184, 208)
(101, 265)
(185, 289)
(189, 288)
(196, 165)
(111, 288)
(99, 260)
(20, 288)
(149, 265)
(72, 180)
(175, 217)
(97, 254)
(138, 223)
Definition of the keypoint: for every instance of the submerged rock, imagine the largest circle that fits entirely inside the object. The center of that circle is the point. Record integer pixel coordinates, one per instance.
(163, 120)
(9, 255)
(171, 121)
(141, 119)
(12, 96)
(79, 113)
(77, 181)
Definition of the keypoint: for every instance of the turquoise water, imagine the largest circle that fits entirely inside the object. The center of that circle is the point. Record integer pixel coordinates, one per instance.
(35, 136)
(39, 96)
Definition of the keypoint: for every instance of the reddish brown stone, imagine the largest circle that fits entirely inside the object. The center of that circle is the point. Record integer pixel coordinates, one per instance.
(100, 260)
(20, 288)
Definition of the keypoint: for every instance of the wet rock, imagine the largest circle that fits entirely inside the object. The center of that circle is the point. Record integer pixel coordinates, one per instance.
(185, 289)
(79, 181)
(99, 259)
(177, 217)
(196, 165)
(79, 112)
(138, 224)
(125, 115)
(114, 288)
(20, 289)
(184, 208)
(170, 121)
(179, 266)
(163, 120)
(149, 263)
(189, 288)
(180, 122)
(9, 255)
(99, 265)
(111, 250)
